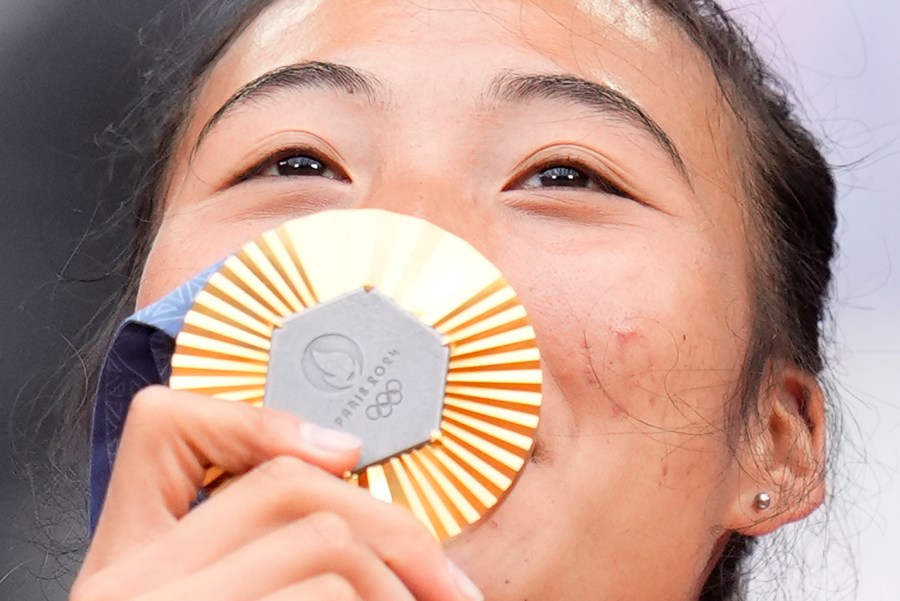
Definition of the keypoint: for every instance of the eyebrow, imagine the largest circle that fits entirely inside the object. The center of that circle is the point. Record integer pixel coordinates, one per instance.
(514, 87)
(310, 75)
(507, 87)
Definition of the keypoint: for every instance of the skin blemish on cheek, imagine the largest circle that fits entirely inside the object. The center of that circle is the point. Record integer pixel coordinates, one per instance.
(626, 333)
(627, 358)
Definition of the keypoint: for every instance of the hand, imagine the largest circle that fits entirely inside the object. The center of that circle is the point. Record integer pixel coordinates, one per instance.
(286, 528)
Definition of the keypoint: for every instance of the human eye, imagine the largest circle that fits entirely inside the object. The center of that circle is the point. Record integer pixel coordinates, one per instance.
(568, 175)
(295, 162)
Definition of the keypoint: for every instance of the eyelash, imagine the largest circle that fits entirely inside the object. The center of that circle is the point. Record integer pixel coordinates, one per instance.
(274, 158)
(601, 182)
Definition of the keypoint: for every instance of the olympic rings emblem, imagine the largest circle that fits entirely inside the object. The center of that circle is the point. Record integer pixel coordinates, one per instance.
(385, 401)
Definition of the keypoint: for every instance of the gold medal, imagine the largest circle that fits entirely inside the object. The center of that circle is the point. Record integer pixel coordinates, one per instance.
(388, 327)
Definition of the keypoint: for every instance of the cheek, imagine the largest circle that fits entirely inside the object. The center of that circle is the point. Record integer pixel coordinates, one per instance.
(188, 243)
(167, 267)
(660, 354)
(631, 435)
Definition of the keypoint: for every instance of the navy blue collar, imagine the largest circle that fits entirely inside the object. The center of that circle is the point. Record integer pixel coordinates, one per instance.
(139, 356)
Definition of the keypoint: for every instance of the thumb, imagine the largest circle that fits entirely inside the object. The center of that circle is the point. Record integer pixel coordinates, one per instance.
(172, 438)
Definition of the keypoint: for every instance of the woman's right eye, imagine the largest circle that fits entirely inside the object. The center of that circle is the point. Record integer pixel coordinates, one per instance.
(294, 163)
(299, 165)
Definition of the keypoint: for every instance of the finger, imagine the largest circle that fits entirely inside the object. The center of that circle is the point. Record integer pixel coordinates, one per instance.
(286, 489)
(327, 587)
(169, 441)
(322, 543)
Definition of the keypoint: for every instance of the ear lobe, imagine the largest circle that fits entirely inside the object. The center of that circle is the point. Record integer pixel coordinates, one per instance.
(783, 455)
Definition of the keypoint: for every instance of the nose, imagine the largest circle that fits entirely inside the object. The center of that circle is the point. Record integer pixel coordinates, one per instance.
(434, 199)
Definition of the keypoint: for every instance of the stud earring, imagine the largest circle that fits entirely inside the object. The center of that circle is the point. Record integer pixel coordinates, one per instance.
(762, 501)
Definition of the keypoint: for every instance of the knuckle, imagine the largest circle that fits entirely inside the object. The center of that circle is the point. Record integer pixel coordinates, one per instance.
(280, 484)
(255, 424)
(148, 401)
(270, 425)
(259, 420)
(155, 414)
(334, 534)
(268, 433)
(336, 588)
(285, 471)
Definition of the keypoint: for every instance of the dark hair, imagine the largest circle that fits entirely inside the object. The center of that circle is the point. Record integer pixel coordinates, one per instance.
(791, 194)
(786, 180)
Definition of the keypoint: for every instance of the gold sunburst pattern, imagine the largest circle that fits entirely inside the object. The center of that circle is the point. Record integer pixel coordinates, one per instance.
(492, 392)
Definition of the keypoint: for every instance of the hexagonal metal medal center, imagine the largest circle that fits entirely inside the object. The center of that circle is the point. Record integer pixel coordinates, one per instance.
(362, 364)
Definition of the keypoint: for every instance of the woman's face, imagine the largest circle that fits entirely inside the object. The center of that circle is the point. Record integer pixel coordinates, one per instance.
(584, 148)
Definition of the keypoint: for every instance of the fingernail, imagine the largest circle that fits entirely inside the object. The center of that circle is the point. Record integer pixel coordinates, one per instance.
(465, 586)
(326, 439)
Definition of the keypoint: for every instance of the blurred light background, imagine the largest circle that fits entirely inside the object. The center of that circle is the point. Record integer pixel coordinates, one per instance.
(69, 67)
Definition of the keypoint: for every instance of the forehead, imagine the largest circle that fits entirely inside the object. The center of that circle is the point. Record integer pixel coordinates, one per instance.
(449, 50)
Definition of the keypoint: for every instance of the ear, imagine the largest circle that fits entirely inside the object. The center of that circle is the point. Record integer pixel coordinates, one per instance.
(783, 454)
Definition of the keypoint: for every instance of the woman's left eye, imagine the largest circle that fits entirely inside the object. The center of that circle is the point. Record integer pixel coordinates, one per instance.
(567, 176)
